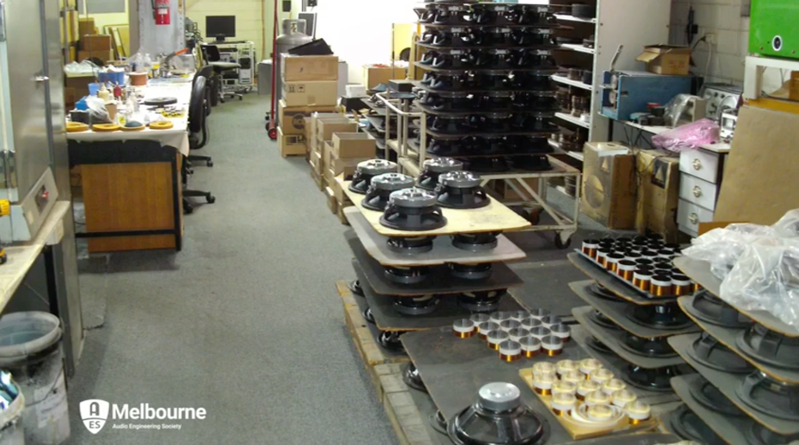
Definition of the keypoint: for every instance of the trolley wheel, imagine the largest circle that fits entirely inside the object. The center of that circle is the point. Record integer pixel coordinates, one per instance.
(534, 216)
(209, 163)
(241, 98)
(210, 198)
(187, 207)
(560, 244)
(272, 132)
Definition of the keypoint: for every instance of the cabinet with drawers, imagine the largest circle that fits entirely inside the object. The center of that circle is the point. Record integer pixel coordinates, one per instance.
(701, 172)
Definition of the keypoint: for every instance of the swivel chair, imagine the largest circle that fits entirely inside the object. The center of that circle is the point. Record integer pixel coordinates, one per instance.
(205, 72)
(214, 58)
(198, 137)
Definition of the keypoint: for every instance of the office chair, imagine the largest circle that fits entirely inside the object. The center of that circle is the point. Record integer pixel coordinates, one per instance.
(204, 73)
(214, 57)
(198, 137)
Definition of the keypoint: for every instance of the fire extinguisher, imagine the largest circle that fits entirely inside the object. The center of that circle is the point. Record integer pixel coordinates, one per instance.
(161, 12)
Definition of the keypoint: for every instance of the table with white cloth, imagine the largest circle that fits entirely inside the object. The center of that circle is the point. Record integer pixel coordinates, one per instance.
(130, 180)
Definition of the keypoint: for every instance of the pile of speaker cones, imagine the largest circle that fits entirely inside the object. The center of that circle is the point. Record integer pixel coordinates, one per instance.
(486, 91)
(635, 328)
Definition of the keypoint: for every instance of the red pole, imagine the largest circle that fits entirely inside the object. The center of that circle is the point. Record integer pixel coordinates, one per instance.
(272, 116)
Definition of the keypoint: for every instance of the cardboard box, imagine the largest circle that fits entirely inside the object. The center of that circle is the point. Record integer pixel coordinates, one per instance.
(758, 185)
(327, 117)
(353, 145)
(290, 144)
(70, 98)
(85, 26)
(658, 193)
(609, 184)
(341, 196)
(96, 42)
(374, 75)
(311, 92)
(79, 83)
(292, 119)
(303, 68)
(332, 204)
(102, 55)
(72, 25)
(666, 59)
(325, 129)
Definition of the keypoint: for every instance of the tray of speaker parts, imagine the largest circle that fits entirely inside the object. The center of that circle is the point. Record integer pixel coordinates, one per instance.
(665, 289)
(614, 283)
(585, 412)
(495, 217)
(622, 312)
(364, 333)
(767, 401)
(414, 281)
(728, 422)
(454, 369)
(746, 335)
(391, 315)
(659, 398)
(628, 347)
(699, 271)
(443, 250)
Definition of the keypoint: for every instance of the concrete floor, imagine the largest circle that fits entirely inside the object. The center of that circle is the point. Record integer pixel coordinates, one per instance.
(245, 321)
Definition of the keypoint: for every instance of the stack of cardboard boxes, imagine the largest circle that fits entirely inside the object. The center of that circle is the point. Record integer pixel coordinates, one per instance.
(310, 84)
(96, 46)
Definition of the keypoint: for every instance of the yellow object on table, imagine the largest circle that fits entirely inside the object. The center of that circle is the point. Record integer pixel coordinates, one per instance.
(161, 125)
(76, 127)
(105, 127)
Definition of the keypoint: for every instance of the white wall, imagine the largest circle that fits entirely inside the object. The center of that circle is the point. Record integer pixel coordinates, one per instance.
(249, 21)
(357, 36)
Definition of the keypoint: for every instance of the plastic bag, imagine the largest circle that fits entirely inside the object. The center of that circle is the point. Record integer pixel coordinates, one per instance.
(140, 63)
(689, 136)
(675, 108)
(97, 111)
(758, 265)
(80, 68)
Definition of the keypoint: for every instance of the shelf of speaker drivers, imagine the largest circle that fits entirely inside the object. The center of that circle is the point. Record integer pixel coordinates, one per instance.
(622, 313)
(781, 416)
(614, 339)
(699, 271)
(614, 283)
(495, 217)
(730, 424)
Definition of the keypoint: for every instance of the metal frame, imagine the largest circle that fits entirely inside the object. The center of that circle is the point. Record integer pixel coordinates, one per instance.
(564, 226)
(115, 152)
(756, 66)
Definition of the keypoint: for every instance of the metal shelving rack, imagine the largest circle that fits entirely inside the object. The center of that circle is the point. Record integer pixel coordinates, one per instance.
(612, 26)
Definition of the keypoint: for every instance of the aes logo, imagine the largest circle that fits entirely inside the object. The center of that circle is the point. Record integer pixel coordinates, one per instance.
(94, 413)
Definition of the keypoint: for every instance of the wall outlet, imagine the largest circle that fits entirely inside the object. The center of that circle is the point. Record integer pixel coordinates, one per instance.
(710, 38)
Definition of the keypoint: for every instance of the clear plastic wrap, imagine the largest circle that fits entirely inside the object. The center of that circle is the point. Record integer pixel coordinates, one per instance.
(675, 108)
(688, 136)
(758, 265)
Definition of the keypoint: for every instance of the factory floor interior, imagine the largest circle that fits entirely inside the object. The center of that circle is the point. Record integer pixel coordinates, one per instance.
(245, 321)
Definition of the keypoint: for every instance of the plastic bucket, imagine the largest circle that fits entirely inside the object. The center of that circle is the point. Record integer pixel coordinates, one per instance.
(11, 429)
(30, 348)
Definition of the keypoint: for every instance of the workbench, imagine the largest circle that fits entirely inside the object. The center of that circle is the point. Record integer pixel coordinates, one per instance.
(131, 183)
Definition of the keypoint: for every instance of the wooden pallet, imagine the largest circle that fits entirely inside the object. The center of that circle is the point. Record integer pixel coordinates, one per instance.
(386, 376)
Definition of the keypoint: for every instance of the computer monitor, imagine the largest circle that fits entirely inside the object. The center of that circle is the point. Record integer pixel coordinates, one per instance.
(310, 22)
(220, 26)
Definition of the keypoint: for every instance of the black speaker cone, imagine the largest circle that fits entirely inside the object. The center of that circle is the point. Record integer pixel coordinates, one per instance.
(648, 347)
(711, 309)
(483, 301)
(421, 305)
(711, 398)
(406, 275)
(381, 187)
(461, 190)
(770, 347)
(657, 379)
(770, 396)
(471, 271)
(663, 316)
(410, 245)
(688, 426)
(413, 210)
(476, 242)
(711, 353)
(412, 378)
(367, 170)
(757, 434)
(600, 319)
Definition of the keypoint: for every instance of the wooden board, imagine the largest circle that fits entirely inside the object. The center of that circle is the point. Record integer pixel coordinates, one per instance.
(617, 311)
(387, 319)
(631, 439)
(613, 340)
(728, 384)
(728, 337)
(443, 251)
(363, 333)
(495, 217)
(611, 282)
(131, 196)
(581, 430)
(660, 401)
(731, 429)
(630, 288)
(454, 369)
(699, 271)
(439, 280)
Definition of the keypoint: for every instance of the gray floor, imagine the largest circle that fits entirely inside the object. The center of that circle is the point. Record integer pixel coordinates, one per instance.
(245, 320)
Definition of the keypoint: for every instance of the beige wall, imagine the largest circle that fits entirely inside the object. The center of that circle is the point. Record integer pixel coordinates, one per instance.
(248, 17)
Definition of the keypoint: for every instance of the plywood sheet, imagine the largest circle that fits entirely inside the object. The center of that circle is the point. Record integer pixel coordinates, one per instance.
(443, 250)
(495, 217)
(439, 280)
(760, 176)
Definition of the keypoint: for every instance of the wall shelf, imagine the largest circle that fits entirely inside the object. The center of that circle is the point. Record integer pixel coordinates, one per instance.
(575, 83)
(575, 120)
(571, 18)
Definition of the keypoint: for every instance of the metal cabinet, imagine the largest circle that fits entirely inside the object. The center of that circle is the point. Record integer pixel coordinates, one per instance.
(701, 172)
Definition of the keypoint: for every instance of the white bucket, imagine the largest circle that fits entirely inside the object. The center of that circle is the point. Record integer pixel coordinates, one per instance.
(30, 350)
